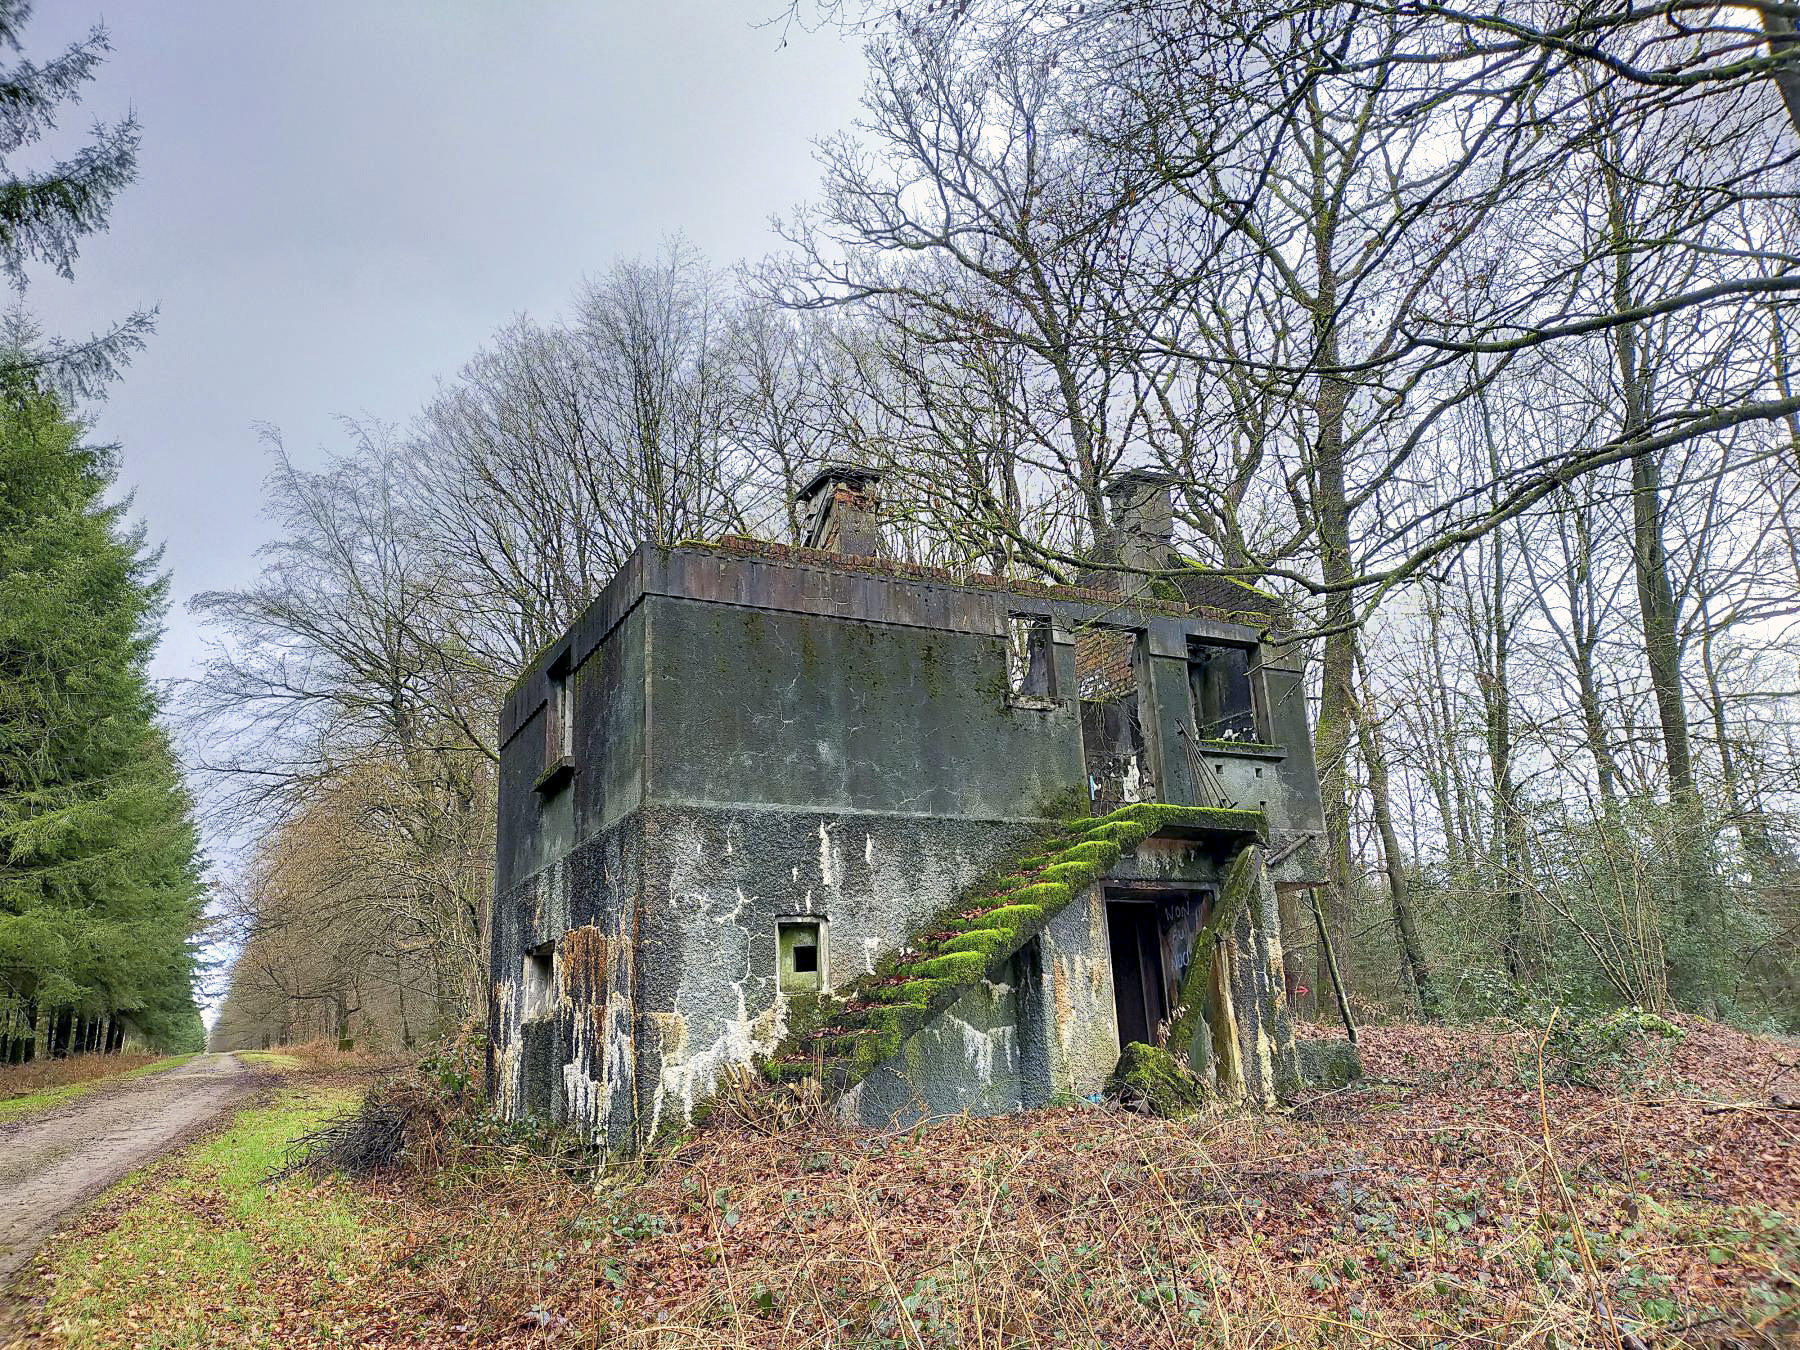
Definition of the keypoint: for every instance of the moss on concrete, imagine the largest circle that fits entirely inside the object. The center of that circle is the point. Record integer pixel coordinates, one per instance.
(1197, 983)
(1154, 1082)
(1329, 1063)
(984, 940)
(1044, 894)
(1127, 834)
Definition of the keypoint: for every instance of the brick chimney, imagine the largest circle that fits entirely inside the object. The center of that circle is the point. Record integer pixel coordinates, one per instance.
(840, 505)
(1143, 521)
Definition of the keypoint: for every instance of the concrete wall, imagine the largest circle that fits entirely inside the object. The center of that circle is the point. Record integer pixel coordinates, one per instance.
(716, 880)
(575, 1059)
(756, 706)
(1043, 1034)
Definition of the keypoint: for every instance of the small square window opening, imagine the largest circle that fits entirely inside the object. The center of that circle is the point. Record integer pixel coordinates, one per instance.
(540, 981)
(800, 955)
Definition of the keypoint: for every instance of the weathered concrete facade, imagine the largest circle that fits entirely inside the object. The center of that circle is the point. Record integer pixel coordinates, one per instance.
(749, 770)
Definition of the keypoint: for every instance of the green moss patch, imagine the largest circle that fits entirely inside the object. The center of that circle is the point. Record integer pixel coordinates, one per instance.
(1153, 1082)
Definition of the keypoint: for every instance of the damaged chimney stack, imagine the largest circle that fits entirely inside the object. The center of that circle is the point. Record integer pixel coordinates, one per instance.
(1143, 520)
(841, 505)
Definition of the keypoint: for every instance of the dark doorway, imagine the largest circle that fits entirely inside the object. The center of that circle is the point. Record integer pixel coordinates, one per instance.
(1140, 997)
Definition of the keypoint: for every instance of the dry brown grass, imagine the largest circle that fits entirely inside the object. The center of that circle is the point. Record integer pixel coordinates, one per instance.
(1456, 1201)
(1459, 1203)
(45, 1075)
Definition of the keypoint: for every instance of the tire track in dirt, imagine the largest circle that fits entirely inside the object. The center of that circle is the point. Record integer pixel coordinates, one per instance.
(50, 1164)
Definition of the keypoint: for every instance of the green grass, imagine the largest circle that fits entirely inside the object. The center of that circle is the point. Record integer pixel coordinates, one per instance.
(204, 1251)
(271, 1059)
(14, 1107)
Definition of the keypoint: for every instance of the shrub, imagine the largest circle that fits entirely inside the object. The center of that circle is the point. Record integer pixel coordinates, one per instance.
(1616, 1052)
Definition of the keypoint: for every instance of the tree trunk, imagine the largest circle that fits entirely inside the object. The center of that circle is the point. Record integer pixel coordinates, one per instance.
(1331, 508)
(1506, 840)
(1692, 973)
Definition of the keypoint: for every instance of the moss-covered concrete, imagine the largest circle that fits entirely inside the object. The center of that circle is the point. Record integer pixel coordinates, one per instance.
(1328, 1063)
(1155, 1082)
(1231, 1023)
(847, 1033)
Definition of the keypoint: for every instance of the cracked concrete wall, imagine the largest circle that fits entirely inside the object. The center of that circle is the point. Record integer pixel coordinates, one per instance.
(720, 877)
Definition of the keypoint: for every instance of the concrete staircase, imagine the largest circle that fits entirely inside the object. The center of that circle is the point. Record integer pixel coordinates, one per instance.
(842, 1035)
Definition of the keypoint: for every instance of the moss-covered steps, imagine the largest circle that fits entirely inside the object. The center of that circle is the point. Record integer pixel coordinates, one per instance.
(843, 1035)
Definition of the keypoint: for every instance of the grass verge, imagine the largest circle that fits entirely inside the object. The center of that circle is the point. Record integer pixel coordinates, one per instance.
(202, 1250)
(11, 1108)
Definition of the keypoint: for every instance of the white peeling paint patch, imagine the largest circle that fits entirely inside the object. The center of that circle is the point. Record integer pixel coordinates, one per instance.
(741, 1040)
(827, 862)
(688, 1076)
(982, 1049)
(869, 850)
(871, 945)
(796, 871)
(578, 1092)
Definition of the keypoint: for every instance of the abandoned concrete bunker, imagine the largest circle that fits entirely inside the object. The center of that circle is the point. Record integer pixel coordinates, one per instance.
(943, 842)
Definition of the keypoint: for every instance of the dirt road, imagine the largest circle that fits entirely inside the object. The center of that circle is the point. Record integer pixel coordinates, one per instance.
(51, 1163)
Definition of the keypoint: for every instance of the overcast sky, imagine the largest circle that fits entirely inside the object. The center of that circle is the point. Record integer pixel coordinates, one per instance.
(338, 202)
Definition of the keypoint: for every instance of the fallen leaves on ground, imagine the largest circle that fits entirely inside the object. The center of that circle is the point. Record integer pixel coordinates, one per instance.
(1447, 1199)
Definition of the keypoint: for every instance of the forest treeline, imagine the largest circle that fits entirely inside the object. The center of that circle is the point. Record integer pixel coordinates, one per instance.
(102, 886)
(1471, 335)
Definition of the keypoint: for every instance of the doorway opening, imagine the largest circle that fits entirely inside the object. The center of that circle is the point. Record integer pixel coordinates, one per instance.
(1150, 936)
(1140, 996)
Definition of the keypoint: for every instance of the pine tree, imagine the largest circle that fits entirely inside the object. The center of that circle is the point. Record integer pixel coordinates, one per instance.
(100, 876)
(47, 210)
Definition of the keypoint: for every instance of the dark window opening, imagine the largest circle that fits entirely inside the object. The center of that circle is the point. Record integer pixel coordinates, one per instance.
(1219, 681)
(1112, 734)
(558, 723)
(559, 728)
(1030, 670)
(806, 960)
